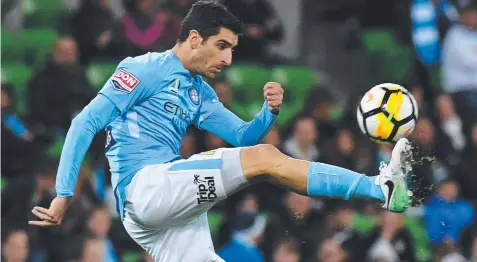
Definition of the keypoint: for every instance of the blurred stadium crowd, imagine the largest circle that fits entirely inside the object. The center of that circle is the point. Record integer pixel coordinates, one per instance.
(56, 55)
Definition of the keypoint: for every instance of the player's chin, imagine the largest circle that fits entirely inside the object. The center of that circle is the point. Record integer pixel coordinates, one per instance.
(210, 75)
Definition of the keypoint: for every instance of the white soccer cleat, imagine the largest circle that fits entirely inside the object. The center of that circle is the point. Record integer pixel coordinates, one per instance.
(392, 178)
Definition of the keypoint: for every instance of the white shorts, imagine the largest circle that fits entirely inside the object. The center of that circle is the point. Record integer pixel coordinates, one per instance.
(166, 205)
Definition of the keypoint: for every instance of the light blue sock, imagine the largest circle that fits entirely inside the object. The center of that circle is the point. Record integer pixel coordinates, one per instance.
(332, 181)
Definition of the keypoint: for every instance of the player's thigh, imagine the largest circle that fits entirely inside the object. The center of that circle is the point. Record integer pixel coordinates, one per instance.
(188, 242)
(168, 195)
(148, 196)
(203, 180)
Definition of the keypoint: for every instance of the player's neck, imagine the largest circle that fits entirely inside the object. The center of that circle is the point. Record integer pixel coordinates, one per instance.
(182, 53)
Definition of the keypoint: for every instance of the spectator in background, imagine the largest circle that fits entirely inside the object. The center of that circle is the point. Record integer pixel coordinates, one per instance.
(262, 27)
(473, 254)
(390, 239)
(16, 247)
(466, 169)
(213, 142)
(60, 90)
(22, 194)
(21, 143)
(297, 219)
(99, 224)
(426, 33)
(446, 215)
(93, 250)
(459, 65)
(144, 28)
(247, 233)
(147, 257)
(287, 250)
(224, 91)
(429, 23)
(332, 251)
(448, 252)
(92, 28)
(188, 145)
(450, 123)
(430, 139)
(349, 114)
(273, 137)
(302, 145)
(319, 104)
(338, 228)
(342, 152)
(418, 92)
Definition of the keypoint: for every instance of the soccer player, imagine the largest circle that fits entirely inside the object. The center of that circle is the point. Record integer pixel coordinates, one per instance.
(146, 107)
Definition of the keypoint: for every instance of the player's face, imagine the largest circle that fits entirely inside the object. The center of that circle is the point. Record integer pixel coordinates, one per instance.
(214, 54)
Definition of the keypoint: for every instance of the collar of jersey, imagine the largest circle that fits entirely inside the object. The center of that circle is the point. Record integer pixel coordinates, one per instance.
(184, 70)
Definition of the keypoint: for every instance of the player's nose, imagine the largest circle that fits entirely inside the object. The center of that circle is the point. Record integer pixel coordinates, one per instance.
(227, 58)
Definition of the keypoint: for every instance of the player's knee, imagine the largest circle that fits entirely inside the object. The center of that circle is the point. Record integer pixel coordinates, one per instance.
(261, 159)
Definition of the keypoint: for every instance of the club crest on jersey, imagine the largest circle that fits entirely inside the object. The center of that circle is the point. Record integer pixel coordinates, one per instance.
(194, 96)
(124, 81)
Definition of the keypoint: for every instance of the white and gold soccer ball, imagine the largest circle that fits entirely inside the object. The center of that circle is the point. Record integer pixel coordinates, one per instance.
(387, 113)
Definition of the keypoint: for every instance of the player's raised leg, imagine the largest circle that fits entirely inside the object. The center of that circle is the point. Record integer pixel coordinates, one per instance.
(318, 179)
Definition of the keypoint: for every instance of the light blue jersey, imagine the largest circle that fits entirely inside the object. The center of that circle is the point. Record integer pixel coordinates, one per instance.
(146, 107)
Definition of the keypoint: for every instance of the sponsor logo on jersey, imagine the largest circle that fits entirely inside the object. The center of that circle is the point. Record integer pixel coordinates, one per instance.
(178, 111)
(194, 96)
(124, 81)
(205, 189)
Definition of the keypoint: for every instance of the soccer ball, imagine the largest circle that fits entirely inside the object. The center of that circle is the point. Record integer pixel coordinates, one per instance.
(387, 113)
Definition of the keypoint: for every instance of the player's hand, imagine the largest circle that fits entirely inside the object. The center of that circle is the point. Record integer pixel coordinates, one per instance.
(53, 215)
(273, 94)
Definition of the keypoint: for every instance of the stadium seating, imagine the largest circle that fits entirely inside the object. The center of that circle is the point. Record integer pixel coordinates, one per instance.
(297, 78)
(247, 75)
(399, 64)
(45, 13)
(247, 81)
(379, 41)
(98, 73)
(3, 183)
(11, 50)
(17, 74)
(215, 221)
(54, 151)
(288, 111)
(38, 43)
(297, 82)
(393, 61)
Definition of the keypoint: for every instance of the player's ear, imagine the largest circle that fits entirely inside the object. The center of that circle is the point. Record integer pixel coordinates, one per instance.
(194, 39)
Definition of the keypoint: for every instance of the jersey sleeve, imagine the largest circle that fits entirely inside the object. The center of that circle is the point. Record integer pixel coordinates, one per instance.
(217, 119)
(95, 116)
(129, 85)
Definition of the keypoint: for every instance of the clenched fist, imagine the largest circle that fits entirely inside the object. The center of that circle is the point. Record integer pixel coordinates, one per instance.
(273, 94)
